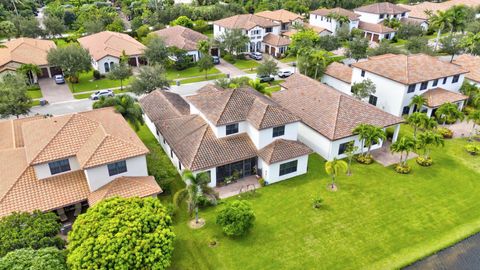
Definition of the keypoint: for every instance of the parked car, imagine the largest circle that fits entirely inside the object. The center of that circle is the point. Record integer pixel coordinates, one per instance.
(284, 73)
(59, 79)
(216, 60)
(102, 93)
(265, 78)
(256, 55)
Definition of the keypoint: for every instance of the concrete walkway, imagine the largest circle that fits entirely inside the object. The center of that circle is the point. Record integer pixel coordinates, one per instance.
(53, 92)
(461, 129)
(230, 69)
(238, 187)
(385, 157)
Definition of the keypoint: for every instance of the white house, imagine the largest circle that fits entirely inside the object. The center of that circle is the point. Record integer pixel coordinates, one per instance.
(338, 76)
(106, 49)
(472, 64)
(325, 18)
(378, 12)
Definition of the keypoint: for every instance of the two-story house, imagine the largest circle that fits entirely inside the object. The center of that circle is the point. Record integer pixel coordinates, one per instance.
(285, 18)
(330, 19)
(72, 160)
(472, 64)
(400, 77)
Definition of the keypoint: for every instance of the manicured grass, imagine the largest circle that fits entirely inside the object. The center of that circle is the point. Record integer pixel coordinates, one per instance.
(87, 83)
(202, 78)
(288, 59)
(34, 92)
(209, 33)
(378, 219)
(274, 88)
(62, 42)
(36, 103)
(173, 74)
(246, 64)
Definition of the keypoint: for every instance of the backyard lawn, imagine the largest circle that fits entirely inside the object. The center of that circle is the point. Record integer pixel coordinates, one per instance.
(87, 83)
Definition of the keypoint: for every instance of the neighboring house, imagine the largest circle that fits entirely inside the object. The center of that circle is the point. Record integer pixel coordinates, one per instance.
(59, 162)
(472, 64)
(376, 31)
(27, 51)
(338, 76)
(107, 47)
(325, 18)
(329, 116)
(183, 38)
(227, 132)
(319, 30)
(285, 18)
(400, 77)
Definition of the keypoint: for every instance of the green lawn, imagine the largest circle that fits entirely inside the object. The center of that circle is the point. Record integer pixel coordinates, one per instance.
(87, 83)
(288, 59)
(378, 219)
(246, 64)
(36, 103)
(34, 92)
(62, 42)
(173, 74)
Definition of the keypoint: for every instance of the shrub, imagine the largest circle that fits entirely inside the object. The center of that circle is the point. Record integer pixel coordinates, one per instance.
(229, 58)
(236, 218)
(364, 159)
(402, 169)
(472, 149)
(425, 162)
(241, 56)
(46, 258)
(445, 132)
(317, 202)
(262, 182)
(97, 75)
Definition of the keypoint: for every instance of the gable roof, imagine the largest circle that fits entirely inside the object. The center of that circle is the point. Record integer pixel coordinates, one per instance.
(328, 111)
(470, 63)
(281, 150)
(181, 37)
(245, 21)
(280, 15)
(409, 69)
(275, 40)
(339, 71)
(382, 8)
(109, 43)
(340, 11)
(26, 51)
(243, 104)
(438, 96)
(161, 105)
(375, 28)
(418, 10)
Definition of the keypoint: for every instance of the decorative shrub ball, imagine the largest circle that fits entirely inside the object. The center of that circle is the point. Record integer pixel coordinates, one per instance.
(236, 218)
(445, 132)
(472, 149)
(402, 169)
(425, 162)
(364, 159)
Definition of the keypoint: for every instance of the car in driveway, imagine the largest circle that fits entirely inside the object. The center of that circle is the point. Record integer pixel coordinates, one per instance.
(265, 78)
(284, 73)
(216, 60)
(102, 93)
(256, 55)
(59, 79)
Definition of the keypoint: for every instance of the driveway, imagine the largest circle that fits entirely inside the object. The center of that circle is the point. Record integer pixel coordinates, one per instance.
(53, 92)
(230, 69)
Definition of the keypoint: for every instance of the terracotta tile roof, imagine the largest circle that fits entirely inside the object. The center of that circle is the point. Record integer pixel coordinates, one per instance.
(161, 105)
(328, 111)
(409, 69)
(410, 20)
(243, 104)
(378, 28)
(340, 11)
(418, 10)
(280, 15)
(382, 8)
(111, 43)
(13, 163)
(26, 51)
(126, 187)
(470, 63)
(181, 37)
(245, 21)
(281, 150)
(275, 40)
(438, 96)
(339, 71)
(317, 29)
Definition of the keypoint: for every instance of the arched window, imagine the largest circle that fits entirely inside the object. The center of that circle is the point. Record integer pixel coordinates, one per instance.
(106, 66)
(259, 46)
(252, 46)
(111, 65)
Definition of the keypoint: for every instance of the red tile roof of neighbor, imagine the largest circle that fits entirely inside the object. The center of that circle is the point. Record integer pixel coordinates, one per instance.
(181, 37)
(470, 63)
(418, 10)
(339, 71)
(378, 28)
(382, 8)
(275, 40)
(438, 96)
(340, 11)
(245, 21)
(108, 43)
(328, 111)
(26, 51)
(280, 15)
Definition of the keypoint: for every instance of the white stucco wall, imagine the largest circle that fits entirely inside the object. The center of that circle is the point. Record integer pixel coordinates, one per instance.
(98, 176)
(337, 84)
(255, 34)
(271, 173)
(195, 54)
(100, 64)
(331, 25)
(43, 170)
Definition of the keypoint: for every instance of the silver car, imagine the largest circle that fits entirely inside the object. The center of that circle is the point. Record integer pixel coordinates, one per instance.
(59, 79)
(102, 93)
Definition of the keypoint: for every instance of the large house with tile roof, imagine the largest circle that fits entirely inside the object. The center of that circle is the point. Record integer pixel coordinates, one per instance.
(472, 64)
(325, 18)
(106, 49)
(240, 131)
(57, 162)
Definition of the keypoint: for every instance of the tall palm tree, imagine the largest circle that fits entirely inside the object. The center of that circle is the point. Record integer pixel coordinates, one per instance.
(428, 139)
(458, 15)
(203, 46)
(416, 120)
(475, 118)
(405, 145)
(441, 20)
(470, 90)
(319, 59)
(449, 112)
(369, 136)
(125, 105)
(334, 168)
(430, 123)
(362, 132)
(29, 70)
(418, 101)
(259, 86)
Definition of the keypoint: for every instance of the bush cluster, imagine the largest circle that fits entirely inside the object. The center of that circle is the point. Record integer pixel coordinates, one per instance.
(445, 132)
(425, 162)
(472, 149)
(364, 159)
(403, 169)
(236, 218)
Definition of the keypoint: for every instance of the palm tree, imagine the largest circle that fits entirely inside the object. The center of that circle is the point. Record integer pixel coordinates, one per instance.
(369, 136)
(319, 59)
(427, 139)
(125, 105)
(29, 70)
(430, 123)
(416, 120)
(475, 118)
(449, 112)
(418, 101)
(392, 23)
(458, 15)
(350, 153)
(405, 145)
(441, 20)
(362, 132)
(203, 46)
(338, 18)
(259, 86)
(470, 42)
(470, 90)
(334, 168)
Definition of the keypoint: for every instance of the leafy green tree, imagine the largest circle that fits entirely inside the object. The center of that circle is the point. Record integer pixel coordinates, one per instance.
(149, 79)
(418, 45)
(120, 72)
(357, 48)
(449, 112)
(459, 17)
(234, 41)
(452, 45)
(259, 86)
(236, 218)
(470, 90)
(203, 46)
(92, 27)
(125, 105)
(25, 230)
(384, 47)
(471, 43)
(14, 99)
(305, 38)
(200, 26)
(29, 259)
(183, 21)
(116, 26)
(329, 43)
(416, 120)
(142, 31)
(334, 168)
(408, 30)
(267, 68)
(363, 89)
(119, 233)
(7, 29)
(205, 64)
(418, 101)
(156, 51)
(441, 20)
(393, 23)
(72, 59)
(54, 26)
(27, 27)
(405, 145)
(475, 118)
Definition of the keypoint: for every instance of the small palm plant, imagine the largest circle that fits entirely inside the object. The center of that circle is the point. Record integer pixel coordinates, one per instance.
(416, 120)
(418, 102)
(369, 135)
(425, 141)
(29, 70)
(449, 112)
(125, 105)
(350, 153)
(429, 123)
(259, 86)
(405, 145)
(334, 168)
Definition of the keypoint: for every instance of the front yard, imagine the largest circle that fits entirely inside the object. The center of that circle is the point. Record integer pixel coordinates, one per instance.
(247, 65)
(88, 83)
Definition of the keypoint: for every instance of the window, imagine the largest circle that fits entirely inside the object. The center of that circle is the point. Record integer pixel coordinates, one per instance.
(106, 66)
(373, 100)
(232, 129)
(179, 165)
(278, 131)
(288, 167)
(435, 82)
(424, 85)
(403, 14)
(363, 73)
(344, 146)
(268, 30)
(411, 88)
(405, 110)
(59, 166)
(171, 153)
(117, 167)
(455, 78)
(387, 36)
(382, 16)
(164, 141)
(445, 80)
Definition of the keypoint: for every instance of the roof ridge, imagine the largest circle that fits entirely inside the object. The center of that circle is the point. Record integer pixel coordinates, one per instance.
(336, 115)
(199, 144)
(226, 103)
(13, 134)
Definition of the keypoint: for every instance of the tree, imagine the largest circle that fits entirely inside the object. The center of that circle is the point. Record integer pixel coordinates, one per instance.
(27, 27)
(183, 21)
(234, 41)
(200, 26)
(259, 86)
(451, 45)
(405, 145)
(350, 153)
(357, 48)
(305, 38)
(205, 64)
(408, 30)
(236, 218)
(125, 105)
(334, 168)
(14, 99)
(441, 21)
(329, 43)
(142, 31)
(393, 23)
(156, 51)
(363, 89)
(203, 46)
(416, 120)
(384, 47)
(475, 118)
(418, 101)
(471, 43)
(319, 60)
(120, 233)
(120, 72)
(72, 59)
(7, 29)
(149, 79)
(470, 90)
(267, 68)
(418, 45)
(24, 230)
(29, 70)
(92, 27)
(459, 17)
(448, 112)
(429, 139)
(369, 135)
(54, 26)
(430, 123)
(46, 258)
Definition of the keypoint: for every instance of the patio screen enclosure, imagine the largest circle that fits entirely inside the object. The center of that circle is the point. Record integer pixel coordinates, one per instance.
(244, 168)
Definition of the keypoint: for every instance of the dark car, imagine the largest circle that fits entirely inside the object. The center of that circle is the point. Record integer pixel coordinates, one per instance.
(216, 60)
(265, 78)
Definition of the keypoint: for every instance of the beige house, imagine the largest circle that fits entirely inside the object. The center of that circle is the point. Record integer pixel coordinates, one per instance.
(107, 47)
(27, 51)
(183, 38)
(70, 161)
